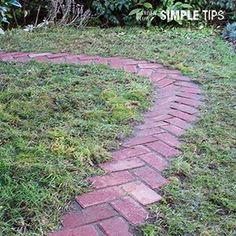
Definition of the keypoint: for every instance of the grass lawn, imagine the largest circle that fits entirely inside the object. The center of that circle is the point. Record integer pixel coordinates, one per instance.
(201, 200)
(56, 122)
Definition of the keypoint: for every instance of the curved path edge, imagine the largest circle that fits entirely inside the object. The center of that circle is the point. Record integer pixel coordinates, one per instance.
(133, 179)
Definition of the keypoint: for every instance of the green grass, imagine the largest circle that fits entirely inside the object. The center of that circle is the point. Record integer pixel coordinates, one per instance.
(201, 200)
(56, 123)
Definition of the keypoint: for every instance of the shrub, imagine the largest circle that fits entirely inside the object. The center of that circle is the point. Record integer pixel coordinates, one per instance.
(113, 12)
(5, 7)
(229, 32)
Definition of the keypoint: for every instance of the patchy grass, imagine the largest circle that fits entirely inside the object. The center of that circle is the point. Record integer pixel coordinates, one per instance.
(56, 123)
(201, 199)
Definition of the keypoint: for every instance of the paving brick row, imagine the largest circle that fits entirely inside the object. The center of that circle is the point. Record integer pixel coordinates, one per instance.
(99, 196)
(164, 82)
(139, 140)
(130, 210)
(189, 95)
(145, 72)
(119, 198)
(179, 123)
(184, 108)
(125, 164)
(129, 152)
(88, 216)
(150, 177)
(150, 124)
(148, 132)
(189, 102)
(149, 66)
(87, 230)
(174, 130)
(155, 161)
(164, 149)
(141, 192)
(183, 115)
(116, 226)
(170, 139)
(112, 179)
(188, 84)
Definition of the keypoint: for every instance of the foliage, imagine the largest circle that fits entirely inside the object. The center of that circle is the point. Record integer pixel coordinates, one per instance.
(228, 6)
(113, 12)
(5, 7)
(230, 32)
(56, 123)
(146, 12)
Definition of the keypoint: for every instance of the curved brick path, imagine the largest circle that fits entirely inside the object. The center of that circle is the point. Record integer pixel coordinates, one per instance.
(120, 198)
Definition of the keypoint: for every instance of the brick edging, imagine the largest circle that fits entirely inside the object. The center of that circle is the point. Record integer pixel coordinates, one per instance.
(120, 198)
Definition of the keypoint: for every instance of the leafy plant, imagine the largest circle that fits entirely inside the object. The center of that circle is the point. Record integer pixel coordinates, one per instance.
(113, 12)
(5, 7)
(229, 32)
(146, 12)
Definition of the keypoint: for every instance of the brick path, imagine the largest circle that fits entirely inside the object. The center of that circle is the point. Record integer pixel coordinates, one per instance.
(120, 198)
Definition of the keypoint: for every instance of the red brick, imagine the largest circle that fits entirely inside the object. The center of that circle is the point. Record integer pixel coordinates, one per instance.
(174, 130)
(7, 58)
(186, 84)
(33, 55)
(162, 117)
(145, 72)
(87, 216)
(57, 55)
(40, 58)
(88, 58)
(112, 179)
(98, 196)
(155, 161)
(130, 210)
(139, 140)
(150, 177)
(168, 71)
(189, 95)
(191, 90)
(23, 59)
(57, 60)
(190, 102)
(72, 59)
(131, 68)
(124, 164)
(141, 192)
(115, 227)
(116, 63)
(149, 66)
(183, 115)
(129, 152)
(184, 108)
(178, 122)
(164, 149)
(151, 124)
(169, 139)
(164, 82)
(102, 60)
(147, 132)
(180, 77)
(157, 76)
(87, 230)
(157, 112)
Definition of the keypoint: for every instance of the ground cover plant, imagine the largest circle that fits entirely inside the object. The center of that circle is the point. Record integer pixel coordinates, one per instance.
(56, 123)
(201, 198)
